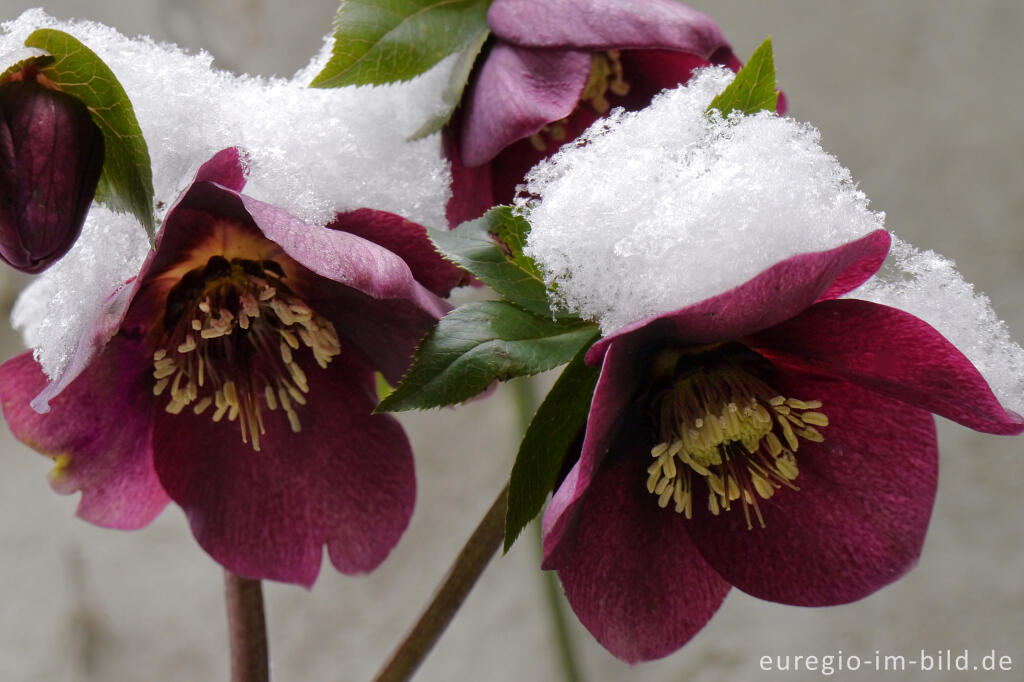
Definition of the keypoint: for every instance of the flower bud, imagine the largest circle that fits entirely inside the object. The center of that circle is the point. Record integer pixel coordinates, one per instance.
(51, 155)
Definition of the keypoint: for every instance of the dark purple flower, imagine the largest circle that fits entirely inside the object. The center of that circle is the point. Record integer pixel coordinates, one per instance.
(235, 376)
(554, 68)
(773, 438)
(51, 155)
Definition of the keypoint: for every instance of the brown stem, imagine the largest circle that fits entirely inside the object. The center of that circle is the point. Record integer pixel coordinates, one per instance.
(247, 629)
(461, 578)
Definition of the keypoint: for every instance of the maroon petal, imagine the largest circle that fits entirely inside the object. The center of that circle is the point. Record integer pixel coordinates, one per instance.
(635, 579)
(614, 391)
(594, 25)
(386, 332)
(346, 480)
(225, 168)
(858, 521)
(893, 353)
(406, 239)
(778, 293)
(516, 93)
(97, 430)
(472, 192)
(342, 257)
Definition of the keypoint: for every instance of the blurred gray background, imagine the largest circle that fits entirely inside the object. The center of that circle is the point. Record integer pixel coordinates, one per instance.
(921, 99)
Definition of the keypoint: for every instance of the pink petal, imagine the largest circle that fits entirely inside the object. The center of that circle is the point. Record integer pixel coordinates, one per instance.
(635, 580)
(782, 291)
(858, 521)
(342, 257)
(605, 25)
(407, 240)
(892, 353)
(612, 395)
(346, 480)
(98, 331)
(101, 424)
(226, 168)
(516, 93)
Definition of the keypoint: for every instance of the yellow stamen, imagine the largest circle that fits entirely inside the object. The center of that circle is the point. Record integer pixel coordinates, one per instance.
(216, 366)
(721, 423)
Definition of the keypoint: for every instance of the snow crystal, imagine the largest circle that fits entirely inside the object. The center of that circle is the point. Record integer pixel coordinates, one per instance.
(927, 285)
(49, 312)
(311, 151)
(654, 210)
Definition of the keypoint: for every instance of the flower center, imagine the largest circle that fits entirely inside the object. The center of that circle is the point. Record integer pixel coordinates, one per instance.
(720, 423)
(605, 76)
(232, 332)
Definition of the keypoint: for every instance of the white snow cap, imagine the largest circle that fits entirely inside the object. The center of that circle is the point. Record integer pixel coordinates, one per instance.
(313, 152)
(652, 211)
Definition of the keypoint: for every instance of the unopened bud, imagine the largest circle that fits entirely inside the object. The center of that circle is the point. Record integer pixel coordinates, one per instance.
(51, 155)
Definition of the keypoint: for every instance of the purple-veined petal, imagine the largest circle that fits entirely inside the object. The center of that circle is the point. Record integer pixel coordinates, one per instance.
(345, 480)
(893, 353)
(858, 520)
(97, 430)
(612, 395)
(782, 291)
(516, 93)
(634, 578)
(605, 25)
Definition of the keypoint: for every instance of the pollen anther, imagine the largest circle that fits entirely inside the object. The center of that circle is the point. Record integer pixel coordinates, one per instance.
(247, 353)
(720, 422)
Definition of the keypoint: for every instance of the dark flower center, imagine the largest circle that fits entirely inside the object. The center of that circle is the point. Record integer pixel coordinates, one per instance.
(232, 332)
(605, 76)
(719, 422)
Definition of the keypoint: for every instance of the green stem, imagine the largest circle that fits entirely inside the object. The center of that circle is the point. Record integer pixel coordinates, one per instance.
(526, 405)
(461, 578)
(247, 629)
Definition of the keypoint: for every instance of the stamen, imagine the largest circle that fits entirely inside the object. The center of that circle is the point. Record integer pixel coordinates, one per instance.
(239, 373)
(720, 422)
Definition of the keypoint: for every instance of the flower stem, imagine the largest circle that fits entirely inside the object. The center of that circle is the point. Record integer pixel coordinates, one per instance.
(461, 578)
(247, 629)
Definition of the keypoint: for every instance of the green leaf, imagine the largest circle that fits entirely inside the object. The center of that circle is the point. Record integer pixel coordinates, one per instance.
(451, 96)
(477, 343)
(554, 429)
(383, 41)
(126, 183)
(384, 389)
(753, 89)
(500, 265)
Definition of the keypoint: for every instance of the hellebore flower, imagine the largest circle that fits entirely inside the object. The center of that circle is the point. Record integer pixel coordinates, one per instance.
(774, 438)
(235, 376)
(554, 68)
(51, 155)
